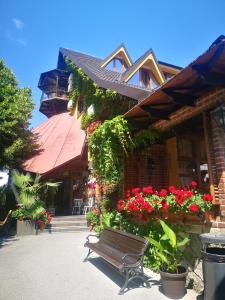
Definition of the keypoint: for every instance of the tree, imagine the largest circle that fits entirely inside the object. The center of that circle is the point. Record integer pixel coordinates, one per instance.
(16, 105)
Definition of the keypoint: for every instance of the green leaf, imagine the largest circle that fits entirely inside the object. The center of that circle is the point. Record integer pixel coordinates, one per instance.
(170, 233)
(183, 243)
(155, 243)
(163, 257)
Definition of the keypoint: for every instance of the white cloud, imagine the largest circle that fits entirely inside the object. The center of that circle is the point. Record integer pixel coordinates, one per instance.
(14, 39)
(21, 41)
(18, 23)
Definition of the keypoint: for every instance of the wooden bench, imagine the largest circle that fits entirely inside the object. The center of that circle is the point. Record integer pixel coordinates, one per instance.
(122, 250)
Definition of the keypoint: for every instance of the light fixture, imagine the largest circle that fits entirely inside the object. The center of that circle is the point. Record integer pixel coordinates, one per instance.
(219, 116)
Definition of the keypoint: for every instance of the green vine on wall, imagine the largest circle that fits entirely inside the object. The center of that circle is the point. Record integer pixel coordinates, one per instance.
(107, 145)
(111, 140)
(106, 103)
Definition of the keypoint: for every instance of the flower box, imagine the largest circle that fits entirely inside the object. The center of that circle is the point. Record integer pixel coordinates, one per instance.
(25, 227)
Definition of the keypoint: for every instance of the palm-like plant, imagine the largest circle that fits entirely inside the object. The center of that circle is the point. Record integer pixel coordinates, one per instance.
(27, 191)
(169, 248)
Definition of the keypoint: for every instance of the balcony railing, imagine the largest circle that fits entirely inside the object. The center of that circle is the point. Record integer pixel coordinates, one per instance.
(54, 92)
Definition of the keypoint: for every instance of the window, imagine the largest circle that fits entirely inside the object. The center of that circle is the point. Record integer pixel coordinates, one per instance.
(117, 65)
(144, 78)
(192, 161)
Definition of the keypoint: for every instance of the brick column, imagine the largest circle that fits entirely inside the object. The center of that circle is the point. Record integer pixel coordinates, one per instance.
(218, 139)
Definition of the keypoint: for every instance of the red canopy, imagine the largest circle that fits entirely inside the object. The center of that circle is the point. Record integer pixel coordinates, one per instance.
(60, 139)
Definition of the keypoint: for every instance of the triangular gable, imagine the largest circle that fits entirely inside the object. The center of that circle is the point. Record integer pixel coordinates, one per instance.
(141, 62)
(121, 50)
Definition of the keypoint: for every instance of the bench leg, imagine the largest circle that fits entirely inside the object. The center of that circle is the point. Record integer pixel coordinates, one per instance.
(89, 252)
(121, 292)
(132, 274)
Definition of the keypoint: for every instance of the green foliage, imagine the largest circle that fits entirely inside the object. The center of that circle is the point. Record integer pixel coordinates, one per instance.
(107, 146)
(28, 191)
(86, 120)
(93, 217)
(106, 103)
(145, 138)
(16, 141)
(169, 248)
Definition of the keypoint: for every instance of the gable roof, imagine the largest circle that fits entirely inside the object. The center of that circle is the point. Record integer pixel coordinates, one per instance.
(58, 144)
(104, 78)
(139, 62)
(120, 48)
(205, 73)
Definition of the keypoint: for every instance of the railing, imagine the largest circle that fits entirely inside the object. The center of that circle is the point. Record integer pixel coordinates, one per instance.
(54, 93)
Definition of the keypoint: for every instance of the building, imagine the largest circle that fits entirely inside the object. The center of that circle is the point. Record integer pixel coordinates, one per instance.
(190, 107)
(63, 154)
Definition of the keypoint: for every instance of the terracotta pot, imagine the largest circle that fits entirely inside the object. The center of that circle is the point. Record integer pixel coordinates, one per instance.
(42, 226)
(174, 284)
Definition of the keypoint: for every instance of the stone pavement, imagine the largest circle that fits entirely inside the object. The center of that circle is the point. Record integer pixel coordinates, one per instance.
(51, 267)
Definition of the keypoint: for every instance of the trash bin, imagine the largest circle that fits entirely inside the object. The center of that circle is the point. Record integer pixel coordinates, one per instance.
(213, 255)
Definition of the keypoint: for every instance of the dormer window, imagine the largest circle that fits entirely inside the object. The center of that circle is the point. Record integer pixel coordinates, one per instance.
(144, 78)
(117, 65)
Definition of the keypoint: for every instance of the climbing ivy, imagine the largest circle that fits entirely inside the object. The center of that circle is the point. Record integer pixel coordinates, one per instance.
(111, 140)
(107, 145)
(106, 103)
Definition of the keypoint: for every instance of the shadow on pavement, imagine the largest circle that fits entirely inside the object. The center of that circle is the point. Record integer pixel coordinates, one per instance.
(115, 276)
(7, 241)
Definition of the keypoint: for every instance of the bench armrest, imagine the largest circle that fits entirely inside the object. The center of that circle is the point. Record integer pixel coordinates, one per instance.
(124, 258)
(94, 235)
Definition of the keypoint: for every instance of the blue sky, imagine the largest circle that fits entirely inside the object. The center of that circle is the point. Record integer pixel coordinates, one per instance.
(31, 32)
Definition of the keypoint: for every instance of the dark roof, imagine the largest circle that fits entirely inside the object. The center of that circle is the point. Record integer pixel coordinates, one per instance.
(104, 78)
(169, 65)
(202, 75)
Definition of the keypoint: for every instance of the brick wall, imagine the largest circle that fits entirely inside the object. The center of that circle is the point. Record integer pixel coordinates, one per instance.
(218, 145)
(146, 167)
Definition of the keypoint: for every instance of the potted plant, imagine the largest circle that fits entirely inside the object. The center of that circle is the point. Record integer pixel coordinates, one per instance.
(169, 249)
(28, 191)
(92, 218)
(43, 219)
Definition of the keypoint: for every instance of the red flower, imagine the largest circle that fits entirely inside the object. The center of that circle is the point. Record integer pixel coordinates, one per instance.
(135, 190)
(147, 190)
(208, 197)
(193, 184)
(163, 193)
(164, 204)
(194, 208)
(172, 189)
(40, 222)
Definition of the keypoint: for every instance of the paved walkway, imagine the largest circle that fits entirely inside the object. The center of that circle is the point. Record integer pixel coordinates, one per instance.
(50, 267)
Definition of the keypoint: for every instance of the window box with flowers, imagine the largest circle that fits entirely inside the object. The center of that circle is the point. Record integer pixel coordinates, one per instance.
(179, 203)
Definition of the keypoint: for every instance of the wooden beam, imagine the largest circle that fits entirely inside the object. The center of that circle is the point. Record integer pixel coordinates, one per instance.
(207, 67)
(180, 98)
(155, 112)
(214, 79)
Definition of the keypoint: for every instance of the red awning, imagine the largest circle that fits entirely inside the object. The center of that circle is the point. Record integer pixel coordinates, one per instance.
(61, 140)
